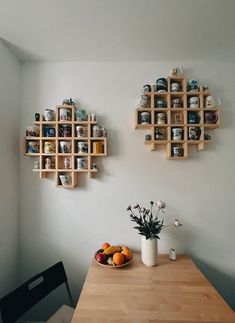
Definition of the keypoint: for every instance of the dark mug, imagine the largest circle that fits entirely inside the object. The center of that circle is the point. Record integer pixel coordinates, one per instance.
(194, 133)
(37, 116)
(193, 118)
(49, 132)
(65, 130)
(211, 117)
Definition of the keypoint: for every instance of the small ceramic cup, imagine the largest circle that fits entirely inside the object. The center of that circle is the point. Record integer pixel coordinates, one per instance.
(177, 151)
(37, 116)
(211, 117)
(81, 115)
(97, 147)
(193, 118)
(193, 85)
(49, 131)
(49, 115)
(194, 102)
(65, 114)
(143, 101)
(65, 147)
(160, 134)
(65, 179)
(82, 147)
(65, 130)
(177, 118)
(160, 103)
(177, 133)
(211, 102)
(148, 137)
(81, 163)
(194, 133)
(146, 88)
(161, 118)
(97, 131)
(81, 131)
(176, 103)
(49, 147)
(145, 117)
(175, 87)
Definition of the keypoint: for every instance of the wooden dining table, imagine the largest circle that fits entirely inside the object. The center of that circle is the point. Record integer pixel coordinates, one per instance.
(172, 291)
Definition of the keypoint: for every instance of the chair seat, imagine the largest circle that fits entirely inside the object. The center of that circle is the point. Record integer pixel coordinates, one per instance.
(63, 315)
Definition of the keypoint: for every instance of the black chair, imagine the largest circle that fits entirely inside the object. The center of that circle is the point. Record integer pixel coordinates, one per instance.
(19, 301)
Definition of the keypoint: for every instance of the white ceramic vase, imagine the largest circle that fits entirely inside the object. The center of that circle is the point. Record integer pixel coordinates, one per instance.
(149, 251)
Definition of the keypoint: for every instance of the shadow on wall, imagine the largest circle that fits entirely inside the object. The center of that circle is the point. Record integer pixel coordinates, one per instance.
(223, 283)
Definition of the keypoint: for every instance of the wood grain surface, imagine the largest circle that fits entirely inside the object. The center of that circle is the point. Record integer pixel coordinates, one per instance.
(173, 291)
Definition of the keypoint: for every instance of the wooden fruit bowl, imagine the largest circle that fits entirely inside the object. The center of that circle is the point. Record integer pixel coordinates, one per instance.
(111, 266)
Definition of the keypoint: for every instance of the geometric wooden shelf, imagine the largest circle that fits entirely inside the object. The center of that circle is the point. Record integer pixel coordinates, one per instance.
(169, 111)
(58, 156)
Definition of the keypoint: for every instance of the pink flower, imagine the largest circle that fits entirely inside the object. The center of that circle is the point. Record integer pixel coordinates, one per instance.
(160, 204)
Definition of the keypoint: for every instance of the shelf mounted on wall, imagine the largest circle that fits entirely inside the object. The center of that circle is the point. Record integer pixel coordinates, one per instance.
(177, 113)
(66, 142)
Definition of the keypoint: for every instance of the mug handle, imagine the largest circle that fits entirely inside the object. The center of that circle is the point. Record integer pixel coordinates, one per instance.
(215, 119)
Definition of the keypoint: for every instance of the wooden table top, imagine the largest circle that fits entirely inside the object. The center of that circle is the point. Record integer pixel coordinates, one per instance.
(173, 291)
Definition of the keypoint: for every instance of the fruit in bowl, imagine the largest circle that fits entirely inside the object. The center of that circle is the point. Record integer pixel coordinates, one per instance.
(113, 256)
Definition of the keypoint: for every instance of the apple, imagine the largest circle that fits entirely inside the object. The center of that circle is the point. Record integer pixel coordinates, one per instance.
(100, 257)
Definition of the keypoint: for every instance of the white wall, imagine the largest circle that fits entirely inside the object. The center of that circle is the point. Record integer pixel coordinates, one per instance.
(9, 169)
(70, 225)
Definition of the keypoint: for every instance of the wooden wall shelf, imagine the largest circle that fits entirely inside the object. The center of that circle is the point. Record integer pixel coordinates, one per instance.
(185, 110)
(58, 156)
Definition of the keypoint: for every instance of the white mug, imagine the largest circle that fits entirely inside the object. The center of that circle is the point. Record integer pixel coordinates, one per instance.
(65, 179)
(194, 102)
(161, 118)
(177, 133)
(212, 102)
(65, 147)
(65, 114)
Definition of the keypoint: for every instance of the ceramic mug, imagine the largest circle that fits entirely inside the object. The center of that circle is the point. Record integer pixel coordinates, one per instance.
(193, 118)
(33, 147)
(161, 118)
(160, 103)
(82, 147)
(175, 87)
(49, 131)
(65, 147)
(177, 118)
(143, 101)
(81, 131)
(161, 85)
(148, 137)
(146, 88)
(97, 131)
(145, 118)
(65, 114)
(160, 134)
(177, 133)
(97, 147)
(81, 115)
(81, 163)
(194, 102)
(193, 85)
(33, 131)
(49, 163)
(65, 130)
(211, 117)
(37, 116)
(176, 103)
(177, 151)
(212, 102)
(65, 179)
(49, 115)
(194, 133)
(49, 147)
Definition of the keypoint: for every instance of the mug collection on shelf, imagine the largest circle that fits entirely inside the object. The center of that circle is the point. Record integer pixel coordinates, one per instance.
(177, 112)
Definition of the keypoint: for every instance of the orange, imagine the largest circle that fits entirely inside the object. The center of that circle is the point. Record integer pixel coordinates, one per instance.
(118, 258)
(105, 245)
(127, 253)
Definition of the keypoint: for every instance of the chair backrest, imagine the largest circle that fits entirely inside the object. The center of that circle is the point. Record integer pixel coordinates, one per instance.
(19, 301)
